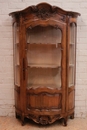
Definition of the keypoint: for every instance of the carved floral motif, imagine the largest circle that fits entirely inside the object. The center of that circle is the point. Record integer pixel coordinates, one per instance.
(43, 13)
(44, 119)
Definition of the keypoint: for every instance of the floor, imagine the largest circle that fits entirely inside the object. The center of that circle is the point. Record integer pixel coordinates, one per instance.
(11, 123)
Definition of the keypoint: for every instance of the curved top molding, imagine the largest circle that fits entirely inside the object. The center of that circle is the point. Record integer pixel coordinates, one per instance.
(44, 9)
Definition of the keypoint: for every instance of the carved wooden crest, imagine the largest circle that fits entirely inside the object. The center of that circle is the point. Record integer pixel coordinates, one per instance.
(44, 119)
(44, 12)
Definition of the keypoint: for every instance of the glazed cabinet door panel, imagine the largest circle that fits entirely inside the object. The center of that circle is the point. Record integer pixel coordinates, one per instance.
(72, 65)
(72, 54)
(16, 54)
(16, 64)
(45, 67)
(44, 57)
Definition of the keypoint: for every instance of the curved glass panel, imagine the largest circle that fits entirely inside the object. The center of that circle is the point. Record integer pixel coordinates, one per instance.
(44, 57)
(72, 54)
(16, 54)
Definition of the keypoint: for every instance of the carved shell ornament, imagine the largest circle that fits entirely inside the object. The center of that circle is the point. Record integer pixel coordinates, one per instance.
(43, 13)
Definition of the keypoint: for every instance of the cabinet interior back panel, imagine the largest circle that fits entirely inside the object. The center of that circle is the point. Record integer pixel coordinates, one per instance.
(44, 54)
(44, 77)
(40, 34)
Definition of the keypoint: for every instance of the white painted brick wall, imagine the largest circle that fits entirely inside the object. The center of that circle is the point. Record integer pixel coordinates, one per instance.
(6, 52)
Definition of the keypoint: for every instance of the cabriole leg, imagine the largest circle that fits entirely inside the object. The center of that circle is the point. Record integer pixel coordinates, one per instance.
(72, 116)
(22, 120)
(16, 115)
(65, 121)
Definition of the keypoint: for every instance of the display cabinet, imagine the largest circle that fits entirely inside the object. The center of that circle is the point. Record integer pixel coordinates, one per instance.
(44, 63)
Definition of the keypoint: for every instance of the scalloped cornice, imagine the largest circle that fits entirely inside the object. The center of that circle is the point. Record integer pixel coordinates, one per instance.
(44, 10)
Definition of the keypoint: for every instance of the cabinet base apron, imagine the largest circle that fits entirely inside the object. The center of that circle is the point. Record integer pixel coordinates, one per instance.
(45, 118)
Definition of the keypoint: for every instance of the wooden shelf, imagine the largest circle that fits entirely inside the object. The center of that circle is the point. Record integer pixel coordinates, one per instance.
(17, 65)
(71, 65)
(51, 86)
(16, 44)
(70, 85)
(16, 84)
(56, 44)
(72, 43)
(43, 66)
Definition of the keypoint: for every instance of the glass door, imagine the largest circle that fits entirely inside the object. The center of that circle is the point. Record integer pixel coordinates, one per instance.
(44, 57)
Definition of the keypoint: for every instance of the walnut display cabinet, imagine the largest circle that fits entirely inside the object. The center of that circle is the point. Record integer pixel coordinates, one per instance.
(44, 63)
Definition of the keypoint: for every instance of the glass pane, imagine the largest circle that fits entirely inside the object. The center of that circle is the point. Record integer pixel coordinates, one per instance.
(16, 51)
(16, 54)
(44, 57)
(72, 33)
(44, 77)
(44, 35)
(72, 54)
(17, 76)
(71, 76)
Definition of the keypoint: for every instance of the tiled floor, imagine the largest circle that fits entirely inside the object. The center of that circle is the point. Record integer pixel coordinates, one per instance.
(11, 123)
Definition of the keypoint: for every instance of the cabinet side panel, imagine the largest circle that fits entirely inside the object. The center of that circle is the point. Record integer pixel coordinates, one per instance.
(71, 100)
(17, 99)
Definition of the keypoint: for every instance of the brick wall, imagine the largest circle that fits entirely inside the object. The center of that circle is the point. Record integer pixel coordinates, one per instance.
(6, 53)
